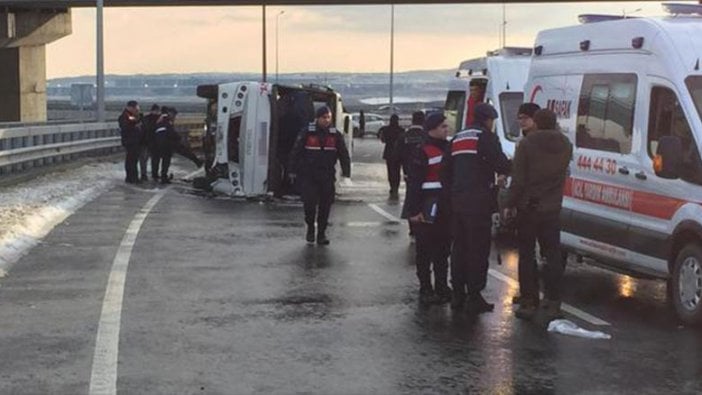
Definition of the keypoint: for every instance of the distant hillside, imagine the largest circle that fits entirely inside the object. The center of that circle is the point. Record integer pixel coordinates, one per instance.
(357, 89)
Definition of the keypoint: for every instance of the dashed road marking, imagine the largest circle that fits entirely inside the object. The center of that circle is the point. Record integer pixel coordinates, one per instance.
(195, 173)
(574, 311)
(384, 213)
(103, 377)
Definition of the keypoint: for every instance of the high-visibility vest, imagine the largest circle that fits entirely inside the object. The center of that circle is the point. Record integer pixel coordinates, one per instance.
(466, 142)
(315, 143)
(434, 155)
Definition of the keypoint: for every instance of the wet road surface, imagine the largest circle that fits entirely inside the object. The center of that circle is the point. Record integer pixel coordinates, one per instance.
(223, 297)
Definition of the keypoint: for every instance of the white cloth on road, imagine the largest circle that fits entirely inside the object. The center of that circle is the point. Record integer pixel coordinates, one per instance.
(567, 327)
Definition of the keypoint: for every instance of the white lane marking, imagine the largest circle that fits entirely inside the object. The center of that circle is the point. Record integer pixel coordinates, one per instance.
(574, 311)
(384, 213)
(512, 282)
(193, 174)
(363, 224)
(103, 377)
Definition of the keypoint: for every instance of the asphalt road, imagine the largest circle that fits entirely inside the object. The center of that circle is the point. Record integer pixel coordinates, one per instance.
(148, 290)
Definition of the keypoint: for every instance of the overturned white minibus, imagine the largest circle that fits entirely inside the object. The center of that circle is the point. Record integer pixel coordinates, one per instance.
(251, 128)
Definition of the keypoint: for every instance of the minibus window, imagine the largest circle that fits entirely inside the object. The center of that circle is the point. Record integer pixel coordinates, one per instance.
(509, 106)
(667, 118)
(606, 112)
(454, 108)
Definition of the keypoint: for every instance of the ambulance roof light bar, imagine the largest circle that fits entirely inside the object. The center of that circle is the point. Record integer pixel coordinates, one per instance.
(595, 18)
(510, 51)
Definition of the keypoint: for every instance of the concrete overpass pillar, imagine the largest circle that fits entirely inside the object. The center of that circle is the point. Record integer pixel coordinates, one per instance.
(23, 38)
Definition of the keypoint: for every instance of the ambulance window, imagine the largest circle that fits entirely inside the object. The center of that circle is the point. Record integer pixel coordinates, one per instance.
(694, 84)
(667, 118)
(606, 112)
(509, 106)
(454, 107)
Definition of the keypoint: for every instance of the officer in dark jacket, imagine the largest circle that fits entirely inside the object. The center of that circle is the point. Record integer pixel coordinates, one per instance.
(314, 157)
(407, 144)
(475, 155)
(428, 209)
(149, 126)
(165, 141)
(540, 169)
(389, 135)
(132, 137)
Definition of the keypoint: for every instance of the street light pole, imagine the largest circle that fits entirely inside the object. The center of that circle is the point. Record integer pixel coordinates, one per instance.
(277, 21)
(264, 43)
(100, 64)
(504, 25)
(392, 53)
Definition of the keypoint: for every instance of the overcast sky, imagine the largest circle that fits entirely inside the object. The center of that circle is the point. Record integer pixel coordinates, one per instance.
(313, 38)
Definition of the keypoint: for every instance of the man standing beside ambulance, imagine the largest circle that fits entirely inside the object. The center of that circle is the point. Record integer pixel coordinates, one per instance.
(539, 173)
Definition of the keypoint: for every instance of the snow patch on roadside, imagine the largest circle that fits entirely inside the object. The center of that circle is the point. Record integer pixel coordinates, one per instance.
(30, 210)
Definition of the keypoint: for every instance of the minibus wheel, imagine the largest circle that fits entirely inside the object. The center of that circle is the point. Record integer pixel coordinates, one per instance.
(687, 284)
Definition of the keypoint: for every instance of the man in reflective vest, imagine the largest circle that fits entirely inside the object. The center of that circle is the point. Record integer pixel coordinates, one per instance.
(407, 145)
(475, 156)
(427, 209)
(315, 153)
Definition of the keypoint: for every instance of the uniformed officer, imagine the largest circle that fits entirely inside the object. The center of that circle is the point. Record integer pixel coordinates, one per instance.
(166, 138)
(475, 155)
(314, 157)
(427, 208)
(149, 123)
(407, 144)
(132, 136)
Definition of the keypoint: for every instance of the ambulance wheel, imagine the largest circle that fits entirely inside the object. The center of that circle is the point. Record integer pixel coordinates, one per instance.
(687, 284)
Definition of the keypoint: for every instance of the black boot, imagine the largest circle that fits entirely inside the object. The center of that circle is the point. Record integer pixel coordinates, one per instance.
(443, 293)
(322, 237)
(310, 234)
(527, 308)
(478, 305)
(458, 300)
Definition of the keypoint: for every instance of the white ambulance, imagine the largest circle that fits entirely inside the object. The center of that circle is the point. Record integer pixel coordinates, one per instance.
(628, 93)
(502, 74)
(251, 128)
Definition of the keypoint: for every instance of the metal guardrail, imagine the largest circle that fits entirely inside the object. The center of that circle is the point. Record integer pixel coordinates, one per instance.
(27, 147)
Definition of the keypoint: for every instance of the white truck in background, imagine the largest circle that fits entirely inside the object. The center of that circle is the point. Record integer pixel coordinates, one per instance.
(250, 131)
(502, 74)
